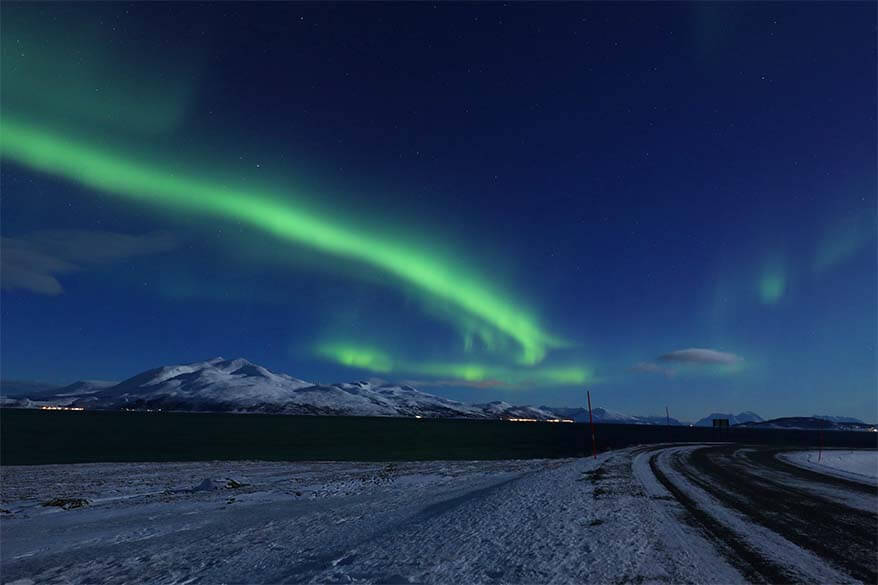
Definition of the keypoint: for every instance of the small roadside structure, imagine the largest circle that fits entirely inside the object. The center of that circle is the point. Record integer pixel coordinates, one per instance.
(721, 424)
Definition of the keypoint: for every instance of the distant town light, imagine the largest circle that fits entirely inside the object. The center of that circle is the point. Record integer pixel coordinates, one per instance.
(552, 420)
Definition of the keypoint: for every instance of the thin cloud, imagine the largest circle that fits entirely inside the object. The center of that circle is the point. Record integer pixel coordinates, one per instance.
(700, 356)
(652, 368)
(35, 261)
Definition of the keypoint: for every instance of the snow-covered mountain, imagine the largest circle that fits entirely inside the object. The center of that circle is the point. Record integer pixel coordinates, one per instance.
(810, 423)
(13, 388)
(83, 387)
(602, 415)
(734, 419)
(216, 384)
(838, 419)
(221, 385)
(500, 409)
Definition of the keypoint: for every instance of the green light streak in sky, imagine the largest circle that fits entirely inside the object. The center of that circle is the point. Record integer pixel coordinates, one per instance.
(771, 287)
(501, 376)
(99, 168)
(357, 357)
(842, 240)
(76, 71)
(773, 280)
(464, 373)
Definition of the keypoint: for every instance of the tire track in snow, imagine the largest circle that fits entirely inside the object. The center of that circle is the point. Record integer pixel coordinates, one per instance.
(755, 567)
(772, 531)
(847, 538)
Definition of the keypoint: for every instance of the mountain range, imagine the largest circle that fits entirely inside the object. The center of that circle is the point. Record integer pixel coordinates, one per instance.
(221, 385)
(822, 423)
(603, 415)
(734, 419)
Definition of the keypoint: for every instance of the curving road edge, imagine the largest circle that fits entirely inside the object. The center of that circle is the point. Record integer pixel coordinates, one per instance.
(773, 521)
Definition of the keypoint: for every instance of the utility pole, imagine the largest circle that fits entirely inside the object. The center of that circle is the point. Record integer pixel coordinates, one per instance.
(594, 446)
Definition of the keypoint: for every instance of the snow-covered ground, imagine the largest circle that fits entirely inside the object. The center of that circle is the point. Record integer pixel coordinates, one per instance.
(857, 464)
(658, 514)
(450, 522)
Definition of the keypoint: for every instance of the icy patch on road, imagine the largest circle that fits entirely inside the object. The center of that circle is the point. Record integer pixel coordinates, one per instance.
(859, 465)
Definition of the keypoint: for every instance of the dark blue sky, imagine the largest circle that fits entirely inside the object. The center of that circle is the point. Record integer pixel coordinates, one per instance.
(538, 198)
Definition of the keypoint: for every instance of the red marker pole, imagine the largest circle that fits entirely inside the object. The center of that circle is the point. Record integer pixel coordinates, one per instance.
(820, 452)
(594, 447)
(668, 420)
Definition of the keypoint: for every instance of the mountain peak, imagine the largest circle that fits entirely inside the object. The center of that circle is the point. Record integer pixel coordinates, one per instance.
(734, 419)
(238, 385)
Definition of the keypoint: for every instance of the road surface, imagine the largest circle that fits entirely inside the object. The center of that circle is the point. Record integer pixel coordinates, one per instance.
(775, 522)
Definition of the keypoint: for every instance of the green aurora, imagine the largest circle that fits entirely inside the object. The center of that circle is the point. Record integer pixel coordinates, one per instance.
(439, 227)
(61, 72)
(379, 361)
(96, 167)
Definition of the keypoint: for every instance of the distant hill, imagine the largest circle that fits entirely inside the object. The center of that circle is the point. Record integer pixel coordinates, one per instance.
(220, 385)
(734, 419)
(500, 409)
(83, 387)
(24, 388)
(809, 423)
(838, 419)
(602, 415)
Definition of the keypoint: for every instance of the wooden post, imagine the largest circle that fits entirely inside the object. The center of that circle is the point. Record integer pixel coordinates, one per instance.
(594, 446)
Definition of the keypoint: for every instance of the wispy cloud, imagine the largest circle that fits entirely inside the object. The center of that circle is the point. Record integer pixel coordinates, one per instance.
(652, 368)
(700, 356)
(34, 262)
(692, 361)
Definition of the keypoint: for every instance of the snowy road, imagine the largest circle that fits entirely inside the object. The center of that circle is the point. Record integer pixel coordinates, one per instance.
(645, 515)
(775, 522)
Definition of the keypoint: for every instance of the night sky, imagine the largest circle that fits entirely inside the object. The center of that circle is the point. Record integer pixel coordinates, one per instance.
(492, 202)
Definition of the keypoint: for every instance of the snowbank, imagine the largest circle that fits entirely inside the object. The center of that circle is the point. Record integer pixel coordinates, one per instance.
(860, 465)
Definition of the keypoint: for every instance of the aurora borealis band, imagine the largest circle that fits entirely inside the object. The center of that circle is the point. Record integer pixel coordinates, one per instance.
(489, 202)
(106, 172)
